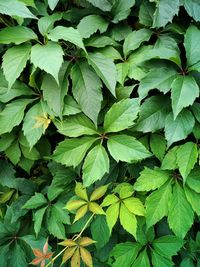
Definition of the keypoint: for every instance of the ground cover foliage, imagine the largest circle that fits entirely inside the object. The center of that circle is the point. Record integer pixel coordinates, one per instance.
(99, 133)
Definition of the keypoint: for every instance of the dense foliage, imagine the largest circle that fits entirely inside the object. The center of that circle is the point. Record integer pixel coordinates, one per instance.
(99, 133)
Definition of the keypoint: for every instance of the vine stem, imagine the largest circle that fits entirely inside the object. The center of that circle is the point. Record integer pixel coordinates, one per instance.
(75, 238)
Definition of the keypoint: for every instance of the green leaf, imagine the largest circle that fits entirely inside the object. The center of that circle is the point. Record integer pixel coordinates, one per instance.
(191, 42)
(134, 205)
(70, 106)
(86, 88)
(121, 115)
(99, 225)
(15, 8)
(35, 201)
(184, 91)
(193, 180)
(193, 8)
(7, 175)
(13, 153)
(14, 110)
(187, 155)
(38, 218)
(68, 34)
(128, 220)
(55, 227)
(157, 204)
(135, 39)
(14, 61)
(105, 69)
(165, 12)
(121, 9)
(193, 198)
(53, 93)
(153, 113)
(178, 208)
(151, 179)
(178, 129)
(76, 125)
(91, 24)
(71, 152)
(52, 4)
(158, 260)
(158, 145)
(48, 57)
(17, 35)
(112, 214)
(168, 245)
(146, 13)
(104, 5)
(45, 24)
(142, 260)
(125, 254)
(96, 164)
(17, 257)
(126, 148)
(170, 160)
(161, 80)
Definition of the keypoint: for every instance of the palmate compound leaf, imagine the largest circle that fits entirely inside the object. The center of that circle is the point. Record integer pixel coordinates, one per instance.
(121, 115)
(126, 148)
(17, 35)
(14, 61)
(184, 91)
(86, 88)
(142, 260)
(96, 164)
(179, 207)
(48, 57)
(158, 260)
(71, 152)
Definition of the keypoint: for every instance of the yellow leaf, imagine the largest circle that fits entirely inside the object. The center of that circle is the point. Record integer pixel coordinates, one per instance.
(95, 208)
(75, 204)
(109, 200)
(68, 243)
(86, 257)
(42, 121)
(68, 254)
(4, 197)
(81, 212)
(112, 214)
(81, 191)
(75, 260)
(99, 192)
(86, 241)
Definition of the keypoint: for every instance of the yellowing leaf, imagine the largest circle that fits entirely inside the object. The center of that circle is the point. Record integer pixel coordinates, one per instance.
(42, 121)
(68, 243)
(81, 191)
(81, 212)
(75, 204)
(86, 257)
(98, 193)
(68, 254)
(134, 205)
(128, 220)
(76, 260)
(86, 241)
(95, 208)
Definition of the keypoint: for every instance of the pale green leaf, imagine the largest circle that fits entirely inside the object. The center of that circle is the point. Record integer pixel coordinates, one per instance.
(178, 208)
(146, 13)
(193, 198)
(48, 57)
(134, 205)
(193, 179)
(71, 152)
(105, 69)
(170, 160)
(112, 214)
(128, 220)
(126, 148)
(91, 24)
(135, 39)
(193, 8)
(14, 61)
(187, 155)
(178, 129)
(121, 115)
(184, 91)
(45, 24)
(151, 179)
(96, 164)
(52, 4)
(104, 5)
(17, 35)
(157, 204)
(86, 88)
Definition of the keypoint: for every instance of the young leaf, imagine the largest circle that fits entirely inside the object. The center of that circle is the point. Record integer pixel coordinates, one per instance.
(105, 69)
(17, 35)
(48, 57)
(99, 192)
(71, 152)
(128, 220)
(81, 191)
(121, 115)
(187, 155)
(178, 208)
(184, 91)
(96, 164)
(126, 148)
(86, 88)
(134, 205)
(14, 61)
(112, 214)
